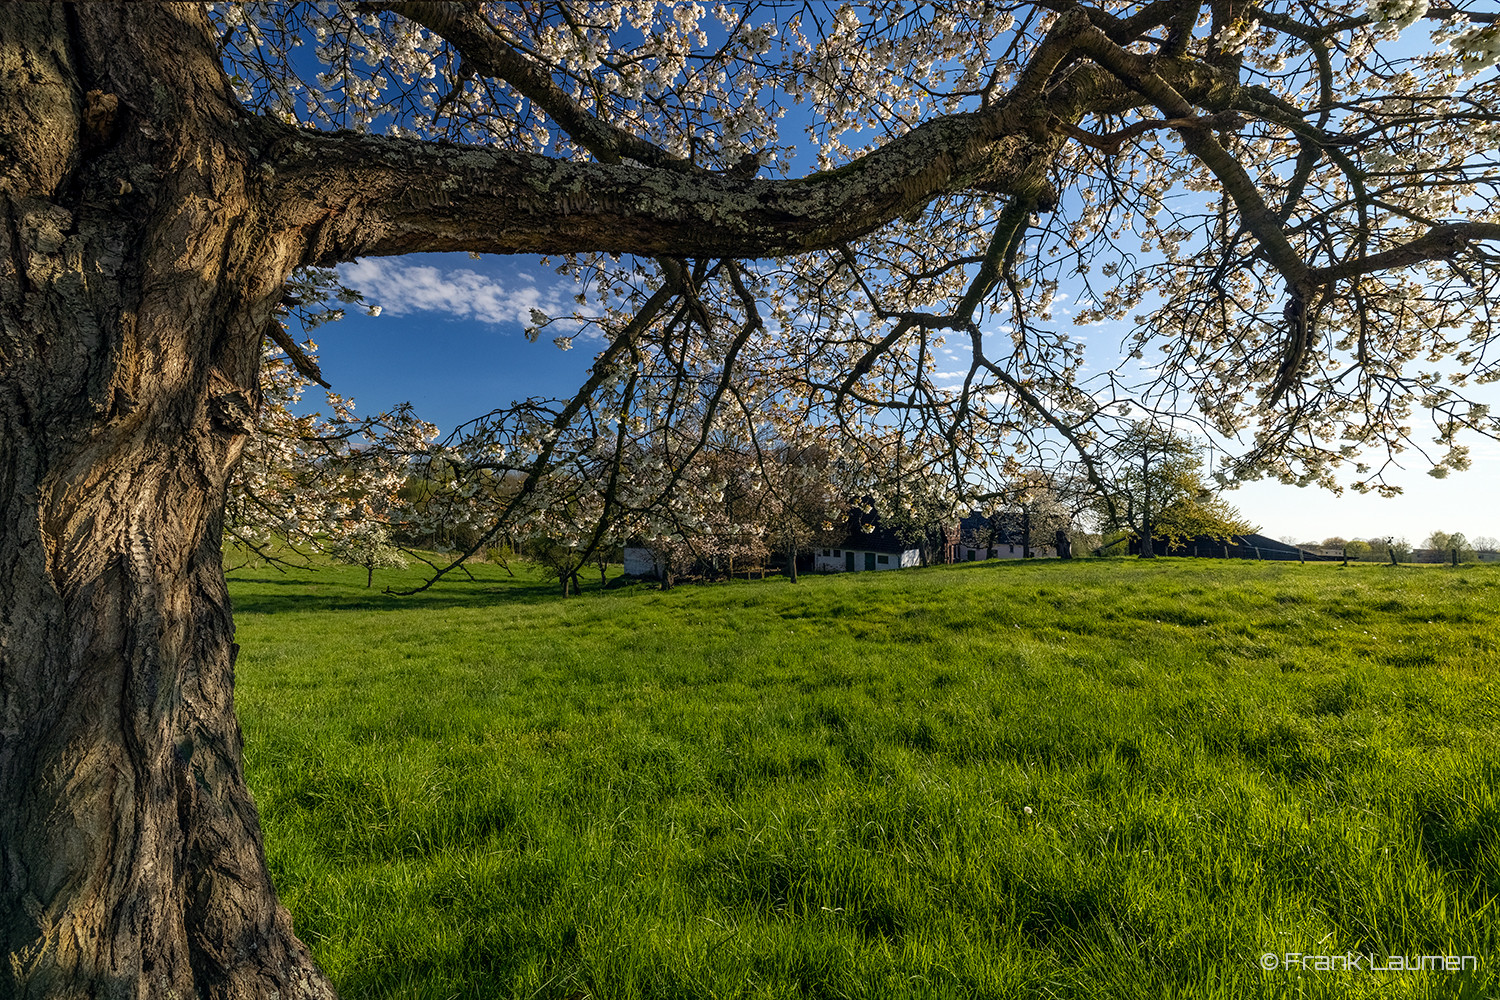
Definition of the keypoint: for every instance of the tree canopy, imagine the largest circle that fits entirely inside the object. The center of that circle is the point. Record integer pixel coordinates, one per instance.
(852, 219)
(1293, 208)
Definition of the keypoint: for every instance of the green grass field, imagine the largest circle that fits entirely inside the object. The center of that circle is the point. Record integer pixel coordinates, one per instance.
(1095, 779)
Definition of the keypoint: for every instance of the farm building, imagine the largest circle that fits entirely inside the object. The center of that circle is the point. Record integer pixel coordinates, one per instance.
(867, 552)
(867, 545)
(867, 557)
(982, 537)
(641, 561)
(976, 538)
(1249, 546)
(1003, 548)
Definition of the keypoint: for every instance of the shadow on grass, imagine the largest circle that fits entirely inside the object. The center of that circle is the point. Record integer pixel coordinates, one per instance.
(336, 589)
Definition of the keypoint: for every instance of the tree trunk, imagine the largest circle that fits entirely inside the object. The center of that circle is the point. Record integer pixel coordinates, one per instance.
(135, 284)
(791, 562)
(1147, 550)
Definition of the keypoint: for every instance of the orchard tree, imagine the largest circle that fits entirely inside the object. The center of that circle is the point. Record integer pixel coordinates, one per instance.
(1037, 504)
(1315, 208)
(804, 493)
(367, 544)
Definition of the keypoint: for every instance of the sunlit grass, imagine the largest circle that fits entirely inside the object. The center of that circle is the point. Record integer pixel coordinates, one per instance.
(766, 790)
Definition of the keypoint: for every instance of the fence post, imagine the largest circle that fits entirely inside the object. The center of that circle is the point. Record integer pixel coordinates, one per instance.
(1455, 557)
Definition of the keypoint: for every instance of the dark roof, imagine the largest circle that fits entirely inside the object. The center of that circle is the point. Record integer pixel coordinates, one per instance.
(878, 539)
(1250, 546)
(981, 530)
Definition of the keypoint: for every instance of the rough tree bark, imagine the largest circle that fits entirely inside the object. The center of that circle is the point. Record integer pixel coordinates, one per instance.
(136, 278)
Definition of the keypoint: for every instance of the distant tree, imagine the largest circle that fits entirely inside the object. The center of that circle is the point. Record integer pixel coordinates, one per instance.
(801, 498)
(1356, 549)
(367, 544)
(1445, 543)
(604, 556)
(561, 560)
(1334, 543)
(926, 514)
(1484, 543)
(1155, 490)
(1036, 507)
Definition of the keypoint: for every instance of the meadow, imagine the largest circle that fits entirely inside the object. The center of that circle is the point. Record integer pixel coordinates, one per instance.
(1097, 779)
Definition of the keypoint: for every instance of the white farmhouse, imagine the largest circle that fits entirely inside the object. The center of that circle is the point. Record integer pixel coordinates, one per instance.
(866, 550)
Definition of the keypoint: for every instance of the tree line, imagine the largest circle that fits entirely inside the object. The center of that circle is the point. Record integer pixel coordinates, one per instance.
(376, 490)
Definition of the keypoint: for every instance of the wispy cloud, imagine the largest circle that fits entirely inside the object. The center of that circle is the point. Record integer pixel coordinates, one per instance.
(400, 289)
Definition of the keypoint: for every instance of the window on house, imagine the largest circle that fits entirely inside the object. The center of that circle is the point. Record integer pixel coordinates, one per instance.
(883, 560)
(837, 552)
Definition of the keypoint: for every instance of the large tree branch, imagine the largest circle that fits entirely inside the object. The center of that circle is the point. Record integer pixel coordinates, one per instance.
(365, 195)
(356, 195)
(1438, 243)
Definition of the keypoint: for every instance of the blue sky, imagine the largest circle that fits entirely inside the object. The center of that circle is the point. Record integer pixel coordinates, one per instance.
(449, 337)
(449, 340)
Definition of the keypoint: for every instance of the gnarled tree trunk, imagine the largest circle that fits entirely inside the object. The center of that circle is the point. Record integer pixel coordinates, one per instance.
(135, 282)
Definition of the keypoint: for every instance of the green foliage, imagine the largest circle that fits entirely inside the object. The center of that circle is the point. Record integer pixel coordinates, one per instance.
(755, 790)
(1447, 542)
(563, 562)
(1157, 489)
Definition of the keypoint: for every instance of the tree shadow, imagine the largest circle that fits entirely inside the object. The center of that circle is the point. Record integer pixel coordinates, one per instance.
(253, 591)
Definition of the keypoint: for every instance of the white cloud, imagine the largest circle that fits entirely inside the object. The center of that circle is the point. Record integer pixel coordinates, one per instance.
(400, 289)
